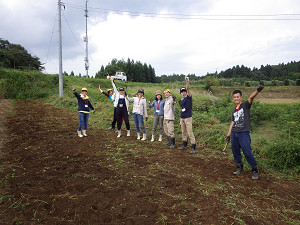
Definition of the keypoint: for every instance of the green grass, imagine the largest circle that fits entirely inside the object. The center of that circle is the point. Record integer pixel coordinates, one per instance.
(211, 110)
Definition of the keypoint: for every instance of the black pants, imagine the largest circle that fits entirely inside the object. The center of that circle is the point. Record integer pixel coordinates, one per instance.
(121, 112)
(113, 124)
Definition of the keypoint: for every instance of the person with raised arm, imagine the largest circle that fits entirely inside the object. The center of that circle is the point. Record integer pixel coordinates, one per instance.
(84, 106)
(121, 104)
(186, 121)
(239, 131)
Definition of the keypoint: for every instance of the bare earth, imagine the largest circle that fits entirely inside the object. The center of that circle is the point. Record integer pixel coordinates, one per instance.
(48, 175)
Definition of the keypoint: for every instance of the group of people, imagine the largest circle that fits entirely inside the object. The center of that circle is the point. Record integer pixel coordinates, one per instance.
(164, 116)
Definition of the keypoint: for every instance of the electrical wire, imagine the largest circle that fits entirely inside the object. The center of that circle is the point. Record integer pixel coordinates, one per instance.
(51, 39)
(195, 16)
(72, 31)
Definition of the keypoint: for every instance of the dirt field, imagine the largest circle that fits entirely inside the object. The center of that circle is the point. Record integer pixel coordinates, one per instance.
(48, 175)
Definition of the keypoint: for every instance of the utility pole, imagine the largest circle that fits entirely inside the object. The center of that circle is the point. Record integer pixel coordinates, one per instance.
(60, 50)
(85, 39)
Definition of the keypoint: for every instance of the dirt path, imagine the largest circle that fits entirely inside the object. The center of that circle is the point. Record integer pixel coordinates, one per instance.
(50, 176)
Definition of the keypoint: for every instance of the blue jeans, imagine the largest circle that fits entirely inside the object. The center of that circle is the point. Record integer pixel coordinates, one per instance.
(242, 141)
(139, 120)
(83, 120)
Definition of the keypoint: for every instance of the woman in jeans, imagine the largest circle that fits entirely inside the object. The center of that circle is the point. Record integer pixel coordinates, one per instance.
(139, 107)
(84, 106)
(158, 118)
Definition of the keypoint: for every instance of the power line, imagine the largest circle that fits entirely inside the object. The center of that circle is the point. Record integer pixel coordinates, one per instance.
(72, 31)
(197, 16)
(51, 39)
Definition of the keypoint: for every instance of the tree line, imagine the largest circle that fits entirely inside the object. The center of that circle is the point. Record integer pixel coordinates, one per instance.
(135, 71)
(15, 56)
(281, 71)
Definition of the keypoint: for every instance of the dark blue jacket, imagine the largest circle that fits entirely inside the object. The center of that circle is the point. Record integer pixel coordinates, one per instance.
(82, 103)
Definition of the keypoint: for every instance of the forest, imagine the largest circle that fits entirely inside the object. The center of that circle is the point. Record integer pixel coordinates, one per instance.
(15, 56)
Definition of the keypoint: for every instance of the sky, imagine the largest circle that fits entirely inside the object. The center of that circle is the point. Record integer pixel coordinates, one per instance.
(173, 36)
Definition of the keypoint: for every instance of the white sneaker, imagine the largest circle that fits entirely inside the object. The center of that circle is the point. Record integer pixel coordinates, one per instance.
(160, 138)
(119, 133)
(138, 136)
(144, 137)
(152, 139)
(79, 133)
(84, 133)
(128, 133)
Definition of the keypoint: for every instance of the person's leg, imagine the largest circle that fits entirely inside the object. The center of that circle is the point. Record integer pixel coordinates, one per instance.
(141, 123)
(167, 132)
(189, 128)
(171, 128)
(136, 122)
(86, 119)
(171, 132)
(236, 151)
(81, 120)
(126, 120)
(119, 119)
(113, 124)
(235, 147)
(183, 129)
(184, 134)
(161, 124)
(245, 142)
(155, 122)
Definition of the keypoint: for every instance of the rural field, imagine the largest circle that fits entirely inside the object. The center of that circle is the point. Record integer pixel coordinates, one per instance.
(50, 176)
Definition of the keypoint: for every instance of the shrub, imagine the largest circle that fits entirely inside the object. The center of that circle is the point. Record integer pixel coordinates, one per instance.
(284, 155)
(286, 82)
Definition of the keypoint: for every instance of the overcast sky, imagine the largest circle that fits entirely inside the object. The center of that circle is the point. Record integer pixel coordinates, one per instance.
(174, 36)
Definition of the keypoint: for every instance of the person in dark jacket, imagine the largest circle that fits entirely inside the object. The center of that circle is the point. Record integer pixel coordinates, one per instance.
(84, 106)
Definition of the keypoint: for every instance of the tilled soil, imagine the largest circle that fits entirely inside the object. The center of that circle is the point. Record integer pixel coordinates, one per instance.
(51, 176)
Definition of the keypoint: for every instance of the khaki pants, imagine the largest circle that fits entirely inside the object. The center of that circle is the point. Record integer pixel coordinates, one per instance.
(158, 120)
(169, 128)
(187, 128)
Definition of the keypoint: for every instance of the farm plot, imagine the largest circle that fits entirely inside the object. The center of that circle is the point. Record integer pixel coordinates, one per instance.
(48, 175)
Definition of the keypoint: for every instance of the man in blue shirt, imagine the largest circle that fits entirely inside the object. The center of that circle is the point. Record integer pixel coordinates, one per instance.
(186, 117)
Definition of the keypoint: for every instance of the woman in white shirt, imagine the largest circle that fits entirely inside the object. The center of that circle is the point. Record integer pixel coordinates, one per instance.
(139, 107)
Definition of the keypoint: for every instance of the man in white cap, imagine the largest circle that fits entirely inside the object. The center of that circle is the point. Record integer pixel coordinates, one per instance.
(186, 121)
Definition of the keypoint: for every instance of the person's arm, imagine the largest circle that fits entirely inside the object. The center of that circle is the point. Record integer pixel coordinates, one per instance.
(91, 106)
(253, 95)
(229, 131)
(151, 105)
(113, 84)
(187, 86)
(145, 109)
(75, 93)
(131, 99)
(107, 95)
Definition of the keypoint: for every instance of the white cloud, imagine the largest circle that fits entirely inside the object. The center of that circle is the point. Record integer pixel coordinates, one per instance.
(169, 45)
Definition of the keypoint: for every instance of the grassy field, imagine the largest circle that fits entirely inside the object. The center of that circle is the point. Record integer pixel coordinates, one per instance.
(50, 176)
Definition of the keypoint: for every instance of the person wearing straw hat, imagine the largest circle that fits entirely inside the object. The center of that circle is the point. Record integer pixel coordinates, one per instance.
(158, 118)
(84, 106)
(169, 116)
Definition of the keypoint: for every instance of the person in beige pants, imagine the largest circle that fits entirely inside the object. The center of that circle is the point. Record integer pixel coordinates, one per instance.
(169, 116)
(186, 121)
